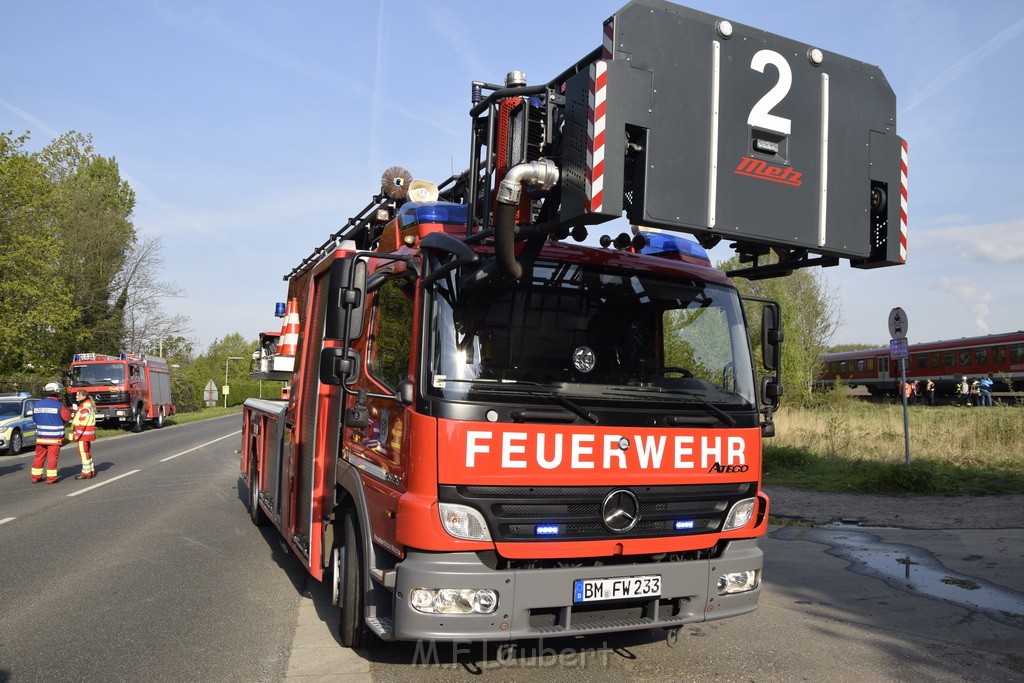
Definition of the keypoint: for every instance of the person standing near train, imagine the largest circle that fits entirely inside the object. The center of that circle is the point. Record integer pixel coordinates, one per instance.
(985, 388)
(963, 392)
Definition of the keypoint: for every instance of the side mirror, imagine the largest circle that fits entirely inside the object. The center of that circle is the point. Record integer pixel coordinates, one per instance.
(346, 291)
(771, 336)
(771, 392)
(338, 365)
(406, 392)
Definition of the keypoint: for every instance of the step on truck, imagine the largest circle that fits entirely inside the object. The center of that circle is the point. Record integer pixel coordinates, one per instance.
(502, 427)
(128, 390)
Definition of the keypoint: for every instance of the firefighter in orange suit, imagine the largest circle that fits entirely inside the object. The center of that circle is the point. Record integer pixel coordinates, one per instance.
(84, 432)
(50, 416)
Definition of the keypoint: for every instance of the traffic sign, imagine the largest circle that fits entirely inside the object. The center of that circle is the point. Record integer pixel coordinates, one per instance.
(898, 349)
(898, 323)
(210, 394)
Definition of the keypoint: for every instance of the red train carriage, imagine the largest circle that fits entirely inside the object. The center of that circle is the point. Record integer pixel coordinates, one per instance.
(944, 362)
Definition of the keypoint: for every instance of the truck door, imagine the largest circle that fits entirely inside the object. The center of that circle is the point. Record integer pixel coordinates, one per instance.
(389, 343)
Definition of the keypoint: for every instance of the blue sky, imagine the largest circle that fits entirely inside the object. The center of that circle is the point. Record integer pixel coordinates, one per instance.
(252, 130)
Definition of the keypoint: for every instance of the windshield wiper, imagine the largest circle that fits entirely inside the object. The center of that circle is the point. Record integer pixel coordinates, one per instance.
(725, 417)
(536, 389)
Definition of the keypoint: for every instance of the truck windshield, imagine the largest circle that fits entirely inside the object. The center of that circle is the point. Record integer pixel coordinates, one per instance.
(592, 334)
(97, 373)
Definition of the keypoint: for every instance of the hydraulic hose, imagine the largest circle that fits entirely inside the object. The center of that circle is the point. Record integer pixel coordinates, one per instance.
(542, 174)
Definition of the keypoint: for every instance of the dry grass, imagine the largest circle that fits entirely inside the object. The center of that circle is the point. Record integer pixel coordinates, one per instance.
(849, 445)
(966, 437)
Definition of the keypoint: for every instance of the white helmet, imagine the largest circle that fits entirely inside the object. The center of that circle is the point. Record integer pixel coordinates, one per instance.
(52, 388)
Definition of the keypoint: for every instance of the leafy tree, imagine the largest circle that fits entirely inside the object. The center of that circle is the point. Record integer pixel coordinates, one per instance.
(810, 317)
(36, 310)
(93, 206)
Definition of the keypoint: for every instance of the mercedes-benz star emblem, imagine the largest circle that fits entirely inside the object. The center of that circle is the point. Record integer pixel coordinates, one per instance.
(620, 511)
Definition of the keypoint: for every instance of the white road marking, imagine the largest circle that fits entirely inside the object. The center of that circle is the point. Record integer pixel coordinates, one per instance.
(172, 457)
(102, 483)
(7, 519)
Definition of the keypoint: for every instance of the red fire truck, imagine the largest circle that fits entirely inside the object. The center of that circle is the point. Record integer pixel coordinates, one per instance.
(128, 390)
(499, 429)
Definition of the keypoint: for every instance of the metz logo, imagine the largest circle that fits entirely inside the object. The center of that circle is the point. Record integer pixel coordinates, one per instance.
(755, 168)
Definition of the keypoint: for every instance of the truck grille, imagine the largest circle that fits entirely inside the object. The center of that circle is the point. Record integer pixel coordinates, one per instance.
(514, 513)
(109, 398)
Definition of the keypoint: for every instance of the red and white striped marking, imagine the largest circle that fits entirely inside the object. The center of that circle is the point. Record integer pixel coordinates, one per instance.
(596, 135)
(903, 202)
(290, 329)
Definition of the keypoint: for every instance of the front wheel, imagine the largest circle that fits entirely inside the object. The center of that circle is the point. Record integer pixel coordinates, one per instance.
(137, 420)
(16, 443)
(347, 570)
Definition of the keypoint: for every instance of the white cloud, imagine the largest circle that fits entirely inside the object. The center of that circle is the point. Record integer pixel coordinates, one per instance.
(965, 290)
(1001, 242)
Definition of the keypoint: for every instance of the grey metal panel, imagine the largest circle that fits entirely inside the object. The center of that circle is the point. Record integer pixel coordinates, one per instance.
(701, 172)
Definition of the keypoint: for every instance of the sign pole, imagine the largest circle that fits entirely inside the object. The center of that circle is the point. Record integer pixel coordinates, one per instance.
(906, 421)
(898, 349)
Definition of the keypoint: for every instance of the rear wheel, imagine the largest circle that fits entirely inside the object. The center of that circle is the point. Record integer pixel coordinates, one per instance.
(160, 418)
(256, 515)
(16, 443)
(347, 570)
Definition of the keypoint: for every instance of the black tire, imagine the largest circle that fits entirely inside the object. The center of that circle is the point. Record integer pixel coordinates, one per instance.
(136, 425)
(160, 418)
(347, 574)
(16, 443)
(256, 515)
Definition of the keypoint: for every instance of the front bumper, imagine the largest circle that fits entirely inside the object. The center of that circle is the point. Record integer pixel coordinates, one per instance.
(538, 603)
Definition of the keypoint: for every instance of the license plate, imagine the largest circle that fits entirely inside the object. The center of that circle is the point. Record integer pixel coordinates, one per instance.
(591, 590)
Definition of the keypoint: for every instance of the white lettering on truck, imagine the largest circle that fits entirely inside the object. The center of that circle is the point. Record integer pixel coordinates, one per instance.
(646, 452)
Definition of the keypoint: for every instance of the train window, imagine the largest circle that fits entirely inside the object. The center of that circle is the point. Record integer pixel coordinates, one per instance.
(999, 355)
(842, 366)
(871, 365)
(1016, 353)
(965, 357)
(981, 356)
(949, 358)
(860, 365)
(935, 359)
(922, 360)
(883, 362)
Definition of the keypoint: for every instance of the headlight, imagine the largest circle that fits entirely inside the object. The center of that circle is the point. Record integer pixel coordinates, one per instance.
(465, 522)
(737, 582)
(453, 600)
(739, 515)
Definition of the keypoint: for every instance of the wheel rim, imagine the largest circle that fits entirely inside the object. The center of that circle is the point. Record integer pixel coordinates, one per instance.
(336, 559)
(254, 492)
(16, 443)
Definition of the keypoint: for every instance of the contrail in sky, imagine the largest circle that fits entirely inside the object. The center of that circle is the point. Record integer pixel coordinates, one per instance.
(33, 121)
(958, 69)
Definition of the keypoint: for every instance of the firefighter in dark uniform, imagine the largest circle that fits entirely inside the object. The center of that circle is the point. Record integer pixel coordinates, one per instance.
(50, 416)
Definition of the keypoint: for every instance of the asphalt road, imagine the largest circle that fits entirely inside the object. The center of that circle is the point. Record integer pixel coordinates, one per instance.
(153, 572)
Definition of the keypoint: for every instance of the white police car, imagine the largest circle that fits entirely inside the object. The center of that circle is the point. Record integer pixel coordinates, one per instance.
(17, 428)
